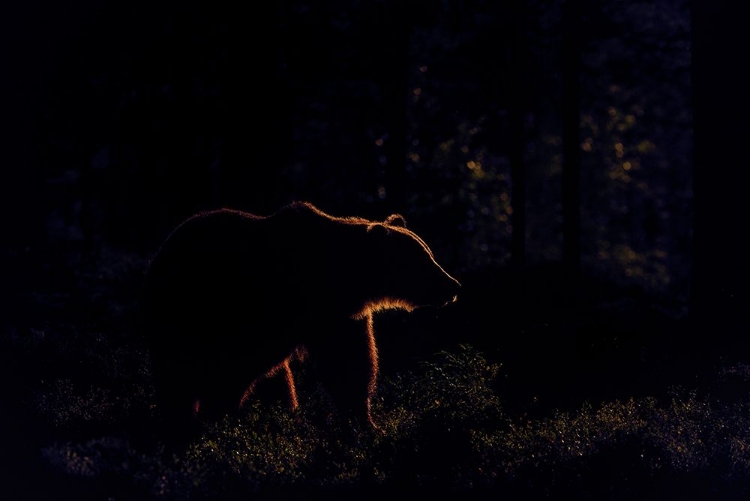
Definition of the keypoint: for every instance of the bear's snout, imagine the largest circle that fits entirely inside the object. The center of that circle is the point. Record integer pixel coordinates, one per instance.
(442, 293)
(454, 288)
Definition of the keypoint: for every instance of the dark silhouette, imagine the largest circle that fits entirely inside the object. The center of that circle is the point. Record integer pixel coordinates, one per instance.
(232, 296)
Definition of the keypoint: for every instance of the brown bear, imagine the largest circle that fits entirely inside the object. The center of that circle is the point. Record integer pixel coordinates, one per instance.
(233, 297)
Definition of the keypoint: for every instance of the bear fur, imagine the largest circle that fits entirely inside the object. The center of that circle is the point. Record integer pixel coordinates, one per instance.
(232, 298)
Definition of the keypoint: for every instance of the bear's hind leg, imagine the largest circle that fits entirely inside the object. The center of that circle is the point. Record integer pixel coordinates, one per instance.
(176, 399)
(284, 368)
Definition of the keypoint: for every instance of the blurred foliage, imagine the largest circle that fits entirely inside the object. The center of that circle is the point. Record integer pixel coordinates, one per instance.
(637, 212)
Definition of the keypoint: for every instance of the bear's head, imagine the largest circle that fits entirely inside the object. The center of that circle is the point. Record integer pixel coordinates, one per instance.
(405, 268)
(368, 265)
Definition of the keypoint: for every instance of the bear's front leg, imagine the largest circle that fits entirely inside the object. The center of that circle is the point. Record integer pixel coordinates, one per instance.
(346, 361)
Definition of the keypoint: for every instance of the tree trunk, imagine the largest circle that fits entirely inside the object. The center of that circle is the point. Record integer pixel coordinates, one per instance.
(721, 272)
(571, 110)
(394, 93)
(517, 135)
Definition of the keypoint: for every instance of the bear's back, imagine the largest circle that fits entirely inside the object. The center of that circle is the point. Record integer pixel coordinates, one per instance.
(205, 258)
(223, 259)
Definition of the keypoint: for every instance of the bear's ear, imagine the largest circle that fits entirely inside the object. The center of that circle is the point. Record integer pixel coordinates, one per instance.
(396, 220)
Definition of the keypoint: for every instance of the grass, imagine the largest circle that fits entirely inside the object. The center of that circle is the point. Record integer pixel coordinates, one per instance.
(444, 431)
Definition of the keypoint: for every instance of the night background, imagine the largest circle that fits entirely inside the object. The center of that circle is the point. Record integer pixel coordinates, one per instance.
(576, 165)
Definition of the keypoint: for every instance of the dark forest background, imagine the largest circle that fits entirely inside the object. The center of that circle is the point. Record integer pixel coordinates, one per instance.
(574, 164)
